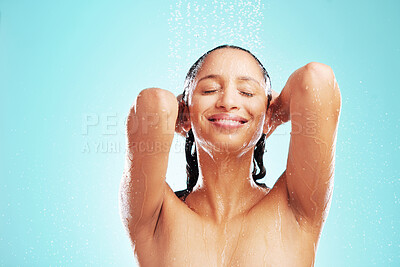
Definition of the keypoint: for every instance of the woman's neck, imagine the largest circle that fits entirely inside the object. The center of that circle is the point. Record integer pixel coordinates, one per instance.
(225, 188)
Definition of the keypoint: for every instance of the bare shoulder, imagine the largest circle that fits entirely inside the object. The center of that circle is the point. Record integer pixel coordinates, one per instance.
(276, 207)
(275, 196)
(174, 215)
(174, 205)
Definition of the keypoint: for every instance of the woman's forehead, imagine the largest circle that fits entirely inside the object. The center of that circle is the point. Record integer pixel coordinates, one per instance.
(230, 62)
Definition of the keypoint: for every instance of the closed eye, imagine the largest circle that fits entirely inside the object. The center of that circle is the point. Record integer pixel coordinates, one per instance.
(209, 91)
(246, 94)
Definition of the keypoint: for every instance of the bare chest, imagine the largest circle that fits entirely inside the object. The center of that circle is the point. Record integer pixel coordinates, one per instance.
(245, 241)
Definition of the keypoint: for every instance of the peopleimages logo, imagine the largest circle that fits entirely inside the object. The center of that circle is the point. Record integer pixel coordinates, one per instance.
(102, 133)
(107, 132)
(106, 122)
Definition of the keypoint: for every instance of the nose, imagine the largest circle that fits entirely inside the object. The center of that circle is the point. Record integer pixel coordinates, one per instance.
(227, 98)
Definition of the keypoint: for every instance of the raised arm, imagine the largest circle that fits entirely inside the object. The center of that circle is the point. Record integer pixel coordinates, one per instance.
(311, 100)
(150, 131)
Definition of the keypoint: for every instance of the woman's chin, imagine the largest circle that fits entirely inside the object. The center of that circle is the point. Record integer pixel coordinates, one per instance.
(229, 140)
(225, 144)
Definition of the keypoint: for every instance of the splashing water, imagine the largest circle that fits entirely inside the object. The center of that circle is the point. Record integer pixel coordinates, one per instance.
(196, 27)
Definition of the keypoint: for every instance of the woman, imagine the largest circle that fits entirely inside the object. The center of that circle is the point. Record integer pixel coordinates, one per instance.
(225, 217)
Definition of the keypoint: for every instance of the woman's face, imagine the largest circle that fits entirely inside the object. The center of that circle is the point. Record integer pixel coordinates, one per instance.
(228, 103)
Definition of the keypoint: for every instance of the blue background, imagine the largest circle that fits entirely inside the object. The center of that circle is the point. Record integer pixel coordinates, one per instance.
(69, 71)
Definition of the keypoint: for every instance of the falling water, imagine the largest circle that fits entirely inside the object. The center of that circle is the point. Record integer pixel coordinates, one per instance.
(198, 26)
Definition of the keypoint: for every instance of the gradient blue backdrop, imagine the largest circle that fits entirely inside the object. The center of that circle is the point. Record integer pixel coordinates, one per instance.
(70, 70)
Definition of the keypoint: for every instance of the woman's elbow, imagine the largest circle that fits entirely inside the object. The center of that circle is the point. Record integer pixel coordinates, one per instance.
(156, 99)
(319, 81)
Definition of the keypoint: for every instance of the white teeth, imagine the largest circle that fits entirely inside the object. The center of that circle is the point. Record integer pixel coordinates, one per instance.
(228, 121)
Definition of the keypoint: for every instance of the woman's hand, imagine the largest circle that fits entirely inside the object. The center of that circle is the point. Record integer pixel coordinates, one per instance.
(277, 113)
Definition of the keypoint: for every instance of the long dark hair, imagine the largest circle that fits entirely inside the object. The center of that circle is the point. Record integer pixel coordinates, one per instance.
(192, 168)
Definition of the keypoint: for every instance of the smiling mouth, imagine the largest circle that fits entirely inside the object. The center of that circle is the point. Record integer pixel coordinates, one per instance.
(227, 118)
(228, 121)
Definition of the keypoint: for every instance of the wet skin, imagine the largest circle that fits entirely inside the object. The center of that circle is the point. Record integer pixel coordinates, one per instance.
(228, 220)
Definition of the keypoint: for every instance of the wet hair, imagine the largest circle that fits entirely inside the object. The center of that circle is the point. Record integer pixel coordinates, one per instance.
(192, 168)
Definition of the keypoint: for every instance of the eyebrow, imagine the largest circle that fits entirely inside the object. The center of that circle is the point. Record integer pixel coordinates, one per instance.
(242, 78)
(211, 76)
(247, 78)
